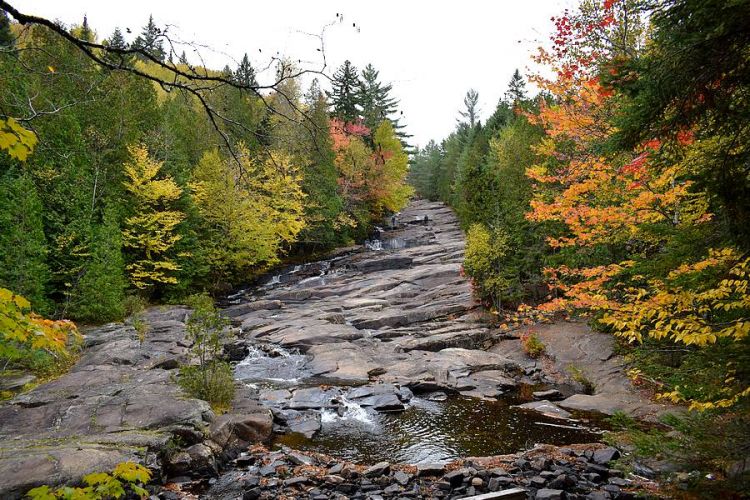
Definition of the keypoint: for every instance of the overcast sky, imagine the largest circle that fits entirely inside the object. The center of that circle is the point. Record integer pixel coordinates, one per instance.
(432, 52)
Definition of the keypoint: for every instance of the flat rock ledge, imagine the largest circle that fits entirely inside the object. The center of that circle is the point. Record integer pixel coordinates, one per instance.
(120, 402)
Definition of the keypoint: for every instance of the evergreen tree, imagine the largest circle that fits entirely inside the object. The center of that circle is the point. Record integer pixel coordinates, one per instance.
(378, 105)
(85, 32)
(6, 36)
(150, 40)
(516, 89)
(117, 41)
(345, 97)
(23, 249)
(101, 290)
(472, 109)
(245, 74)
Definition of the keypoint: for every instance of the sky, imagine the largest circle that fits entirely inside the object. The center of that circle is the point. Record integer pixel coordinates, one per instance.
(431, 51)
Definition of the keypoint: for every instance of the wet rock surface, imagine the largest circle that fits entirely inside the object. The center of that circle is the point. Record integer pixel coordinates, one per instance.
(366, 332)
(119, 403)
(403, 316)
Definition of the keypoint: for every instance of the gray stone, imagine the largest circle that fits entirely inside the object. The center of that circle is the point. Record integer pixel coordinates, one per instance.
(430, 469)
(549, 395)
(15, 382)
(379, 469)
(549, 494)
(606, 455)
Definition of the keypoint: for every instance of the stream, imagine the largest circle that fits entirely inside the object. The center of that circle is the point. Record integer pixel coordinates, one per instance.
(379, 354)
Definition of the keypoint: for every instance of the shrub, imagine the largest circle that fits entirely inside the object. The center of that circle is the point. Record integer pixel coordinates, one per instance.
(28, 341)
(127, 478)
(532, 346)
(485, 262)
(211, 379)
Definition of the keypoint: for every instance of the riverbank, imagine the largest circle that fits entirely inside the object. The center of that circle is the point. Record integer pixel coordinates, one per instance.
(369, 332)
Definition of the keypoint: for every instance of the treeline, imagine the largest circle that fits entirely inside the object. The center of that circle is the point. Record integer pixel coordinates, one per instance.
(622, 193)
(480, 170)
(131, 190)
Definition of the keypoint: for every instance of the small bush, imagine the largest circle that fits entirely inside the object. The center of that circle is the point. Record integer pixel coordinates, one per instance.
(127, 478)
(578, 376)
(213, 383)
(134, 304)
(532, 346)
(211, 379)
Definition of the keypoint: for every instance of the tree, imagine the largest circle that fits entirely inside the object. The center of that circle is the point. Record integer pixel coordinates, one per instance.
(23, 249)
(472, 109)
(6, 36)
(692, 81)
(101, 290)
(485, 253)
(245, 73)
(345, 97)
(150, 232)
(246, 222)
(391, 166)
(151, 40)
(516, 89)
(116, 40)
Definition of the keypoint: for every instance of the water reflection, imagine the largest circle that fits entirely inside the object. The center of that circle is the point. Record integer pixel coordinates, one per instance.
(430, 431)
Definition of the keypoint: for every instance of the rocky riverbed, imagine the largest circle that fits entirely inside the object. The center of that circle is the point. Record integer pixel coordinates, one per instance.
(382, 340)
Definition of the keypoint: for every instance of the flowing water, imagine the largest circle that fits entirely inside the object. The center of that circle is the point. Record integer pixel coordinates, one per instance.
(427, 431)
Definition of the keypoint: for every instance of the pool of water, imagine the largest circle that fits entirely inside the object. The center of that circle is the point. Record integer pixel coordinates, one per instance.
(433, 431)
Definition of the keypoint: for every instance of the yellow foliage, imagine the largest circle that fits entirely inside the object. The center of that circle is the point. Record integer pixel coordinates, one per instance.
(251, 209)
(150, 231)
(16, 140)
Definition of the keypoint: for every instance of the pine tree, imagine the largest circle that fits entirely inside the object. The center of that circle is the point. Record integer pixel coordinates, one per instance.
(346, 97)
(150, 232)
(472, 110)
(245, 74)
(6, 36)
(150, 41)
(117, 41)
(516, 89)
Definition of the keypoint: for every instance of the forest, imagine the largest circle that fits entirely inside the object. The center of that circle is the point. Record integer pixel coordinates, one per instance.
(610, 185)
(131, 193)
(620, 194)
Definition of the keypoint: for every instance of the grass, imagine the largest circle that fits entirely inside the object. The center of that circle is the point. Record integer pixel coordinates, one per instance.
(580, 377)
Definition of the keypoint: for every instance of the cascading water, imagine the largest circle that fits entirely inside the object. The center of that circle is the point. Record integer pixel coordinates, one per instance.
(281, 367)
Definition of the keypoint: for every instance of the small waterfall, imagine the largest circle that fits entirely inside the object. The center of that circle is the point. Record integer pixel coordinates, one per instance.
(374, 245)
(352, 412)
(273, 364)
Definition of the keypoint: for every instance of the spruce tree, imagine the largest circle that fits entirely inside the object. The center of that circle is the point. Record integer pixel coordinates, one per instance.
(23, 249)
(101, 289)
(6, 36)
(378, 104)
(345, 97)
(150, 40)
(516, 89)
(85, 33)
(245, 74)
(117, 41)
